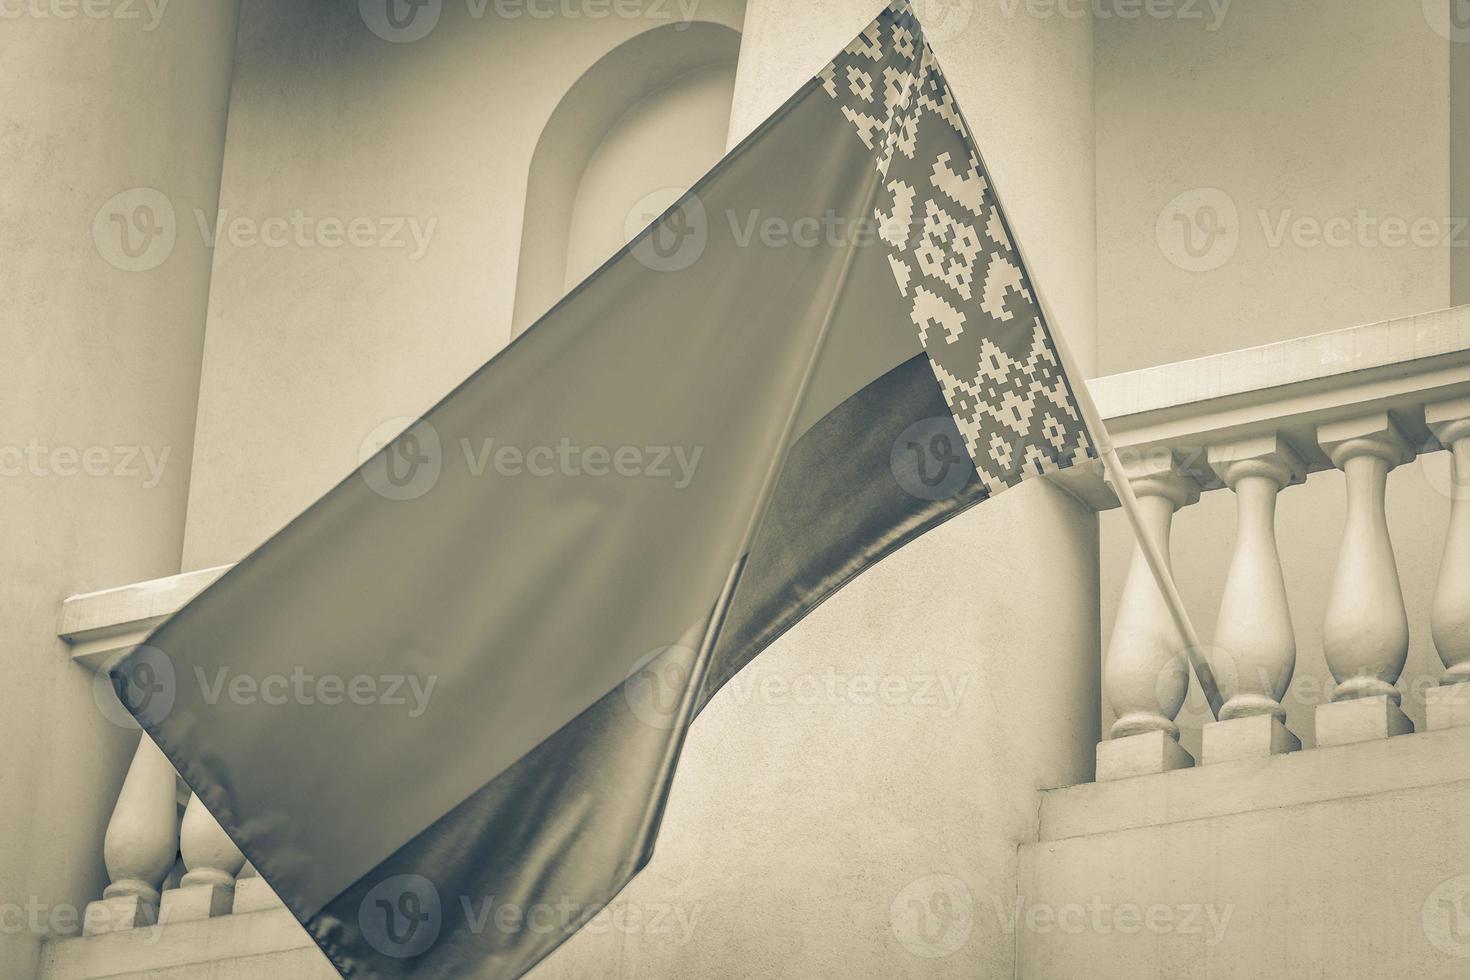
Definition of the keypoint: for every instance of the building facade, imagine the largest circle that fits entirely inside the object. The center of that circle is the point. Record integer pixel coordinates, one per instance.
(246, 239)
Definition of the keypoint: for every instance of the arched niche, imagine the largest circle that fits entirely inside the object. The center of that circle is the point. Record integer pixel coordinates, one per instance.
(637, 129)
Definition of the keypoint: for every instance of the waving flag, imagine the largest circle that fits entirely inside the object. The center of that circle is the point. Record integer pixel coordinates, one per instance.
(568, 555)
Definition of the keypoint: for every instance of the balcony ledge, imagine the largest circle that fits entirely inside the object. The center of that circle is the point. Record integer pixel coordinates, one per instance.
(99, 626)
(1389, 765)
(248, 945)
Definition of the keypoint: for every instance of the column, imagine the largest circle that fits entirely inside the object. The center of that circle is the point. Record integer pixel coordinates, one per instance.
(108, 110)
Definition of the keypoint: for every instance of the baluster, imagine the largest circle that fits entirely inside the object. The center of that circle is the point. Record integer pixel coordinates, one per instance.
(1146, 675)
(140, 845)
(208, 887)
(1366, 633)
(1449, 619)
(1255, 645)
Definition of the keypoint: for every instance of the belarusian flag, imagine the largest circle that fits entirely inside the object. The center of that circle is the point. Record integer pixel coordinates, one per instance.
(571, 552)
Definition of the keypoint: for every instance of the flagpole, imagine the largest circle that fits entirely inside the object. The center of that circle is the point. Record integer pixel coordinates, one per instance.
(1153, 553)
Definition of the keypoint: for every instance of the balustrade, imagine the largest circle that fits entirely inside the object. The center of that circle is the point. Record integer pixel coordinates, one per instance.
(1363, 401)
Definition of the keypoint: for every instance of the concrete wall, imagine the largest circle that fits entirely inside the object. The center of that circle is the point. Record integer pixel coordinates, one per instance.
(1301, 112)
(1254, 163)
(1344, 863)
(111, 129)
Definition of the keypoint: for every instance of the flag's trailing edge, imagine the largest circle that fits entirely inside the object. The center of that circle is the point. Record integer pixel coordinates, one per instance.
(552, 617)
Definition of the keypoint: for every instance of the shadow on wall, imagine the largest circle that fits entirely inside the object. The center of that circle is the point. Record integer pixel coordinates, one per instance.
(632, 134)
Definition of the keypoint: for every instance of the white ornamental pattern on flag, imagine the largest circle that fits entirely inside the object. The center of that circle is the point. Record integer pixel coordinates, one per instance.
(954, 259)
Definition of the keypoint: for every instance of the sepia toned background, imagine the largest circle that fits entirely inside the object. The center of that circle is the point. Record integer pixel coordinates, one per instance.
(240, 238)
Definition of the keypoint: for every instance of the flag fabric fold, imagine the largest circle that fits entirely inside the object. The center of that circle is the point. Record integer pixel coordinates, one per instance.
(557, 609)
